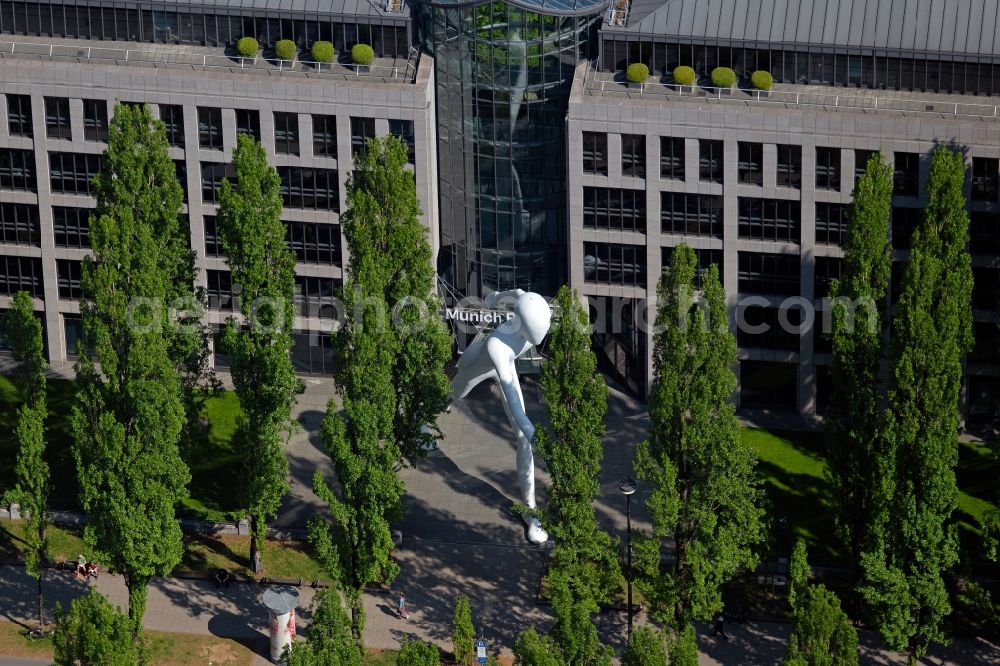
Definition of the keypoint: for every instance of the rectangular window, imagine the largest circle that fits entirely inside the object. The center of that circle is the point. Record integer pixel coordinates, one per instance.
(19, 118)
(710, 160)
(634, 155)
(904, 223)
(827, 270)
(73, 173)
(314, 243)
(220, 290)
(248, 123)
(768, 385)
(286, 133)
(17, 170)
(861, 158)
(614, 209)
(213, 245)
(984, 233)
(906, 174)
(764, 329)
(68, 273)
(595, 153)
(615, 264)
(789, 172)
(172, 116)
(984, 178)
(19, 224)
(309, 188)
(404, 130)
(751, 164)
(777, 220)
(768, 274)
(671, 157)
(705, 260)
(314, 296)
(691, 214)
(831, 223)
(362, 129)
(324, 136)
(212, 174)
(210, 128)
(95, 120)
(71, 226)
(985, 289)
(73, 328)
(21, 274)
(828, 169)
(57, 118)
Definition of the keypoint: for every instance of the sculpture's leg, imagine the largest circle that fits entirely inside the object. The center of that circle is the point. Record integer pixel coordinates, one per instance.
(526, 476)
(466, 380)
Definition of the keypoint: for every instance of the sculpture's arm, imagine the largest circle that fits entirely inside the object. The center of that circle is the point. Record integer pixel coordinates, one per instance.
(495, 297)
(503, 361)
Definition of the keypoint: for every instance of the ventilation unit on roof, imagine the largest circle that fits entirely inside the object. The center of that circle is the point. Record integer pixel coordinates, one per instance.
(394, 6)
(618, 13)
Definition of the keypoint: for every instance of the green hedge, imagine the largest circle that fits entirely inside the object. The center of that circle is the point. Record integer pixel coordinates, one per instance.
(362, 54)
(637, 72)
(285, 50)
(322, 52)
(247, 47)
(761, 80)
(684, 76)
(723, 77)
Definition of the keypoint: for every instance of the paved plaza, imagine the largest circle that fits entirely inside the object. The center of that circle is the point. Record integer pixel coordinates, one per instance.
(459, 537)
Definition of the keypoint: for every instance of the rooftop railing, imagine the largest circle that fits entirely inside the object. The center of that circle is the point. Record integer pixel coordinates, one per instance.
(792, 98)
(162, 58)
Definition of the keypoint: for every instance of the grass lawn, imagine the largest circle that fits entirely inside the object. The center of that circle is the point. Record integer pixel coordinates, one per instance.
(793, 466)
(211, 458)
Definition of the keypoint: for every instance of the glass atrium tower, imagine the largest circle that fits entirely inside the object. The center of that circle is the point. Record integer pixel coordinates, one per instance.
(503, 73)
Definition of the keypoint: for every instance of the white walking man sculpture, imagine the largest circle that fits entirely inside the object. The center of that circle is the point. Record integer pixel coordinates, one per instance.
(495, 358)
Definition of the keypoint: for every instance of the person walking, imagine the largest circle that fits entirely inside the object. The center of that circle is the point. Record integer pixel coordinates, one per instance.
(401, 607)
(720, 629)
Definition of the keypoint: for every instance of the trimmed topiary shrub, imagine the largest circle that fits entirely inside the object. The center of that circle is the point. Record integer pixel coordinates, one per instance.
(761, 80)
(723, 77)
(247, 47)
(637, 72)
(322, 52)
(362, 54)
(285, 50)
(684, 76)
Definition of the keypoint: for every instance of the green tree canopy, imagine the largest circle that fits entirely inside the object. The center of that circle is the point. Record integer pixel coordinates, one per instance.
(329, 640)
(823, 634)
(705, 500)
(533, 649)
(94, 633)
(418, 653)
(259, 343)
(683, 648)
(647, 648)
(463, 636)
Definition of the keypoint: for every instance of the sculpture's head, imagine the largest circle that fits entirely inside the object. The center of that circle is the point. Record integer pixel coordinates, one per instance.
(534, 315)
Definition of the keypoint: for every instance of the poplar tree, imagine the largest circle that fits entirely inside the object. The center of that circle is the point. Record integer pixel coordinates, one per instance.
(583, 567)
(129, 414)
(147, 186)
(388, 374)
(31, 490)
(329, 641)
(94, 633)
(914, 541)
(463, 635)
(822, 634)
(704, 500)
(647, 648)
(858, 302)
(259, 343)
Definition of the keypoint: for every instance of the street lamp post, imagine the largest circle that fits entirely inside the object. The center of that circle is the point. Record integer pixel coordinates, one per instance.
(627, 488)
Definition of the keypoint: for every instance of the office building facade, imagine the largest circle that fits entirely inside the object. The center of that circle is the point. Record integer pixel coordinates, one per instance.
(535, 163)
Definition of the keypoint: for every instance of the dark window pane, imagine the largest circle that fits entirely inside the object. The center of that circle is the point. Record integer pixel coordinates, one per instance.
(634, 155)
(751, 164)
(19, 119)
(985, 178)
(248, 123)
(71, 226)
(691, 214)
(210, 128)
(789, 166)
(672, 158)
(19, 224)
(710, 161)
(324, 136)
(286, 133)
(614, 209)
(615, 264)
(770, 219)
(172, 116)
(95, 120)
(595, 153)
(57, 118)
(828, 169)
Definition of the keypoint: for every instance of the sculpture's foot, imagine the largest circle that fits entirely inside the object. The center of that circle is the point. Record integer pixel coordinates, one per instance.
(535, 532)
(430, 446)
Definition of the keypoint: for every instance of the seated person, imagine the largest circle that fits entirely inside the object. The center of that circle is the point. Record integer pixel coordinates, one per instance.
(81, 567)
(221, 578)
(91, 569)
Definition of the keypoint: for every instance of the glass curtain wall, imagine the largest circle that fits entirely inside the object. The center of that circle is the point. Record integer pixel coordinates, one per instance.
(503, 76)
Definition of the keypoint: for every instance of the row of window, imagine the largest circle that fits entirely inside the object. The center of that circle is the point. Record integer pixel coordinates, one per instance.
(312, 243)
(127, 21)
(314, 296)
(57, 118)
(878, 70)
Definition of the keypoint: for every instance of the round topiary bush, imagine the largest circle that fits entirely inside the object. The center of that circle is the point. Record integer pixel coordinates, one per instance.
(247, 47)
(723, 77)
(637, 72)
(761, 80)
(285, 50)
(362, 54)
(322, 52)
(684, 75)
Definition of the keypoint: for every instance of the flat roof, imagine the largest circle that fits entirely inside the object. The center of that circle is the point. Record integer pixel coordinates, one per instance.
(331, 7)
(956, 27)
